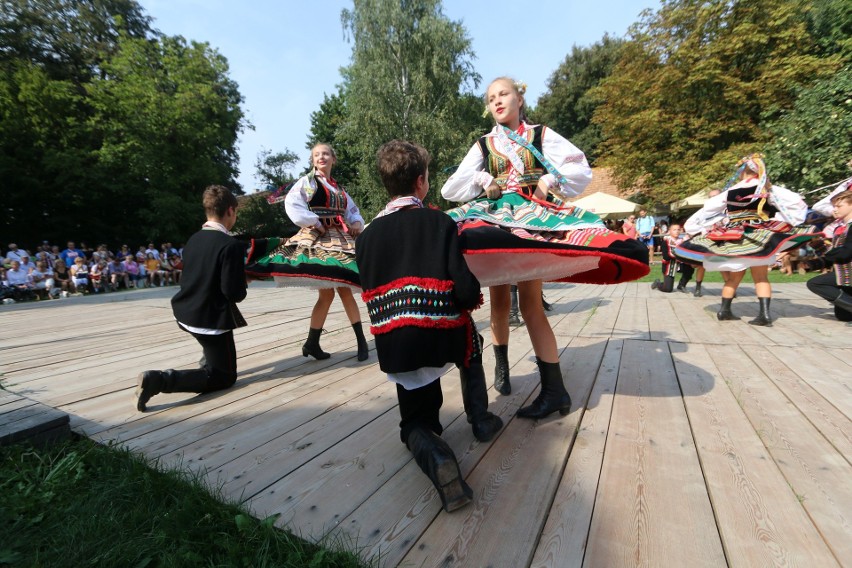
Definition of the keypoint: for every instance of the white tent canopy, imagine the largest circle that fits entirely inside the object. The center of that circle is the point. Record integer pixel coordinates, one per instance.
(606, 205)
(694, 201)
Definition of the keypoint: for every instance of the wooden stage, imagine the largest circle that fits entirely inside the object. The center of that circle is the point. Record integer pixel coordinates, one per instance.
(692, 442)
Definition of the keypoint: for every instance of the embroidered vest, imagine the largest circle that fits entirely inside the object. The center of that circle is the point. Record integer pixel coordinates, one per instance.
(738, 201)
(842, 272)
(498, 165)
(326, 203)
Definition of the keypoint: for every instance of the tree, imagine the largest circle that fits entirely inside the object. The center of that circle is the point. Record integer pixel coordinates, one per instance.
(570, 102)
(811, 145)
(409, 65)
(693, 90)
(109, 130)
(326, 127)
(273, 169)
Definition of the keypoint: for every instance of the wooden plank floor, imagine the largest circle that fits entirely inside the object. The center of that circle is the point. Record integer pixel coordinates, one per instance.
(692, 442)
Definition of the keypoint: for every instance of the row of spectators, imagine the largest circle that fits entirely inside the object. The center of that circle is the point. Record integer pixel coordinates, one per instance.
(54, 273)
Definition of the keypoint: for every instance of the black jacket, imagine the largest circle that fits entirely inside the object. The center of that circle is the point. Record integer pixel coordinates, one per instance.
(420, 247)
(212, 282)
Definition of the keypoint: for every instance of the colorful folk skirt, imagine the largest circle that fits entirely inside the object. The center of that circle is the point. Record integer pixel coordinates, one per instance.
(308, 259)
(513, 239)
(744, 241)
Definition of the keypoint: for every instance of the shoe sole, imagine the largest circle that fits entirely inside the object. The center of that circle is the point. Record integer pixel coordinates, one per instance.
(451, 489)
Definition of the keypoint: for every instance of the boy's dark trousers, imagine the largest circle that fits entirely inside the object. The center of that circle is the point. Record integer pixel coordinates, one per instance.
(825, 286)
(418, 408)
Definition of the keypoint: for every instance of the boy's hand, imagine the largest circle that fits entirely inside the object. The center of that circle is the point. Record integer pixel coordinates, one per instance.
(356, 229)
(493, 191)
(320, 226)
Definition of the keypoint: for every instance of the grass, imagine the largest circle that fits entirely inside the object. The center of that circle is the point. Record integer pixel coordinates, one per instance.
(775, 277)
(82, 504)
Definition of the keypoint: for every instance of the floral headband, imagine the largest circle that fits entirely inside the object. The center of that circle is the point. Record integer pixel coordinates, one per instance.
(521, 88)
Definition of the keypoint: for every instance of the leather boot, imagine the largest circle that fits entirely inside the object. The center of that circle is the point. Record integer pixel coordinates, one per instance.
(312, 345)
(552, 396)
(501, 370)
(763, 318)
(725, 312)
(437, 460)
(655, 285)
(681, 286)
(475, 397)
(545, 304)
(514, 319)
(843, 301)
(363, 351)
(697, 293)
(148, 383)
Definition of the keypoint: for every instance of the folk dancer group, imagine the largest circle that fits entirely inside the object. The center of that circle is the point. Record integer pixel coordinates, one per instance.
(419, 270)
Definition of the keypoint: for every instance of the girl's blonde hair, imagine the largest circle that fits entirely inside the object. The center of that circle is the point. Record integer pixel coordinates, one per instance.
(327, 145)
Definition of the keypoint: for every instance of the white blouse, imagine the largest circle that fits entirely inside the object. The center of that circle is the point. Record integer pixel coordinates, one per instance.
(296, 204)
(790, 205)
(470, 179)
(823, 206)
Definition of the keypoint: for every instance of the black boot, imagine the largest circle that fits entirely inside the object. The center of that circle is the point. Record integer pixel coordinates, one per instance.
(681, 286)
(545, 304)
(363, 351)
(763, 317)
(843, 301)
(725, 312)
(698, 293)
(501, 370)
(148, 384)
(475, 397)
(655, 285)
(552, 396)
(437, 460)
(312, 345)
(514, 319)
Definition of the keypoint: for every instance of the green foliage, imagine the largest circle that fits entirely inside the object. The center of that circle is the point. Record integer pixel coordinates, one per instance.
(326, 127)
(109, 131)
(257, 218)
(570, 101)
(693, 88)
(409, 64)
(811, 146)
(273, 169)
(82, 504)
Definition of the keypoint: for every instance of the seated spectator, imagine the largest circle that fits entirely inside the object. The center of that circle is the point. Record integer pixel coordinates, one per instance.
(132, 269)
(165, 270)
(43, 280)
(26, 264)
(116, 274)
(96, 275)
(177, 267)
(14, 254)
(70, 254)
(152, 269)
(20, 282)
(80, 275)
(62, 278)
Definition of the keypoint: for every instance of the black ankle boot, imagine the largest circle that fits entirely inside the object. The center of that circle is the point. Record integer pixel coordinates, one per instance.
(363, 351)
(545, 304)
(698, 293)
(148, 384)
(552, 396)
(655, 285)
(312, 345)
(475, 398)
(763, 318)
(514, 318)
(843, 301)
(437, 460)
(725, 312)
(501, 370)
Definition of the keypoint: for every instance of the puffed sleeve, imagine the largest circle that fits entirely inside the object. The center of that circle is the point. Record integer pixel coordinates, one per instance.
(296, 205)
(569, 160)
(468, 181)
(353, 214)
(823, 206)
(791, 207)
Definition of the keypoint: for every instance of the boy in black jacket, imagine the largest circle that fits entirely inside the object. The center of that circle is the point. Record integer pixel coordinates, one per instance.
(213, 281)
(836, 286)
(419, 294)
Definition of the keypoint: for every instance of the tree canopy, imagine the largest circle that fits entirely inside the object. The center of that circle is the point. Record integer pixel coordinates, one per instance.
(110, 131)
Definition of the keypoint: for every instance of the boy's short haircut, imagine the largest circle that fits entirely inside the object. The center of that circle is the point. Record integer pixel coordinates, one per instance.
(400, 164)
(217, 200)
(842, 197)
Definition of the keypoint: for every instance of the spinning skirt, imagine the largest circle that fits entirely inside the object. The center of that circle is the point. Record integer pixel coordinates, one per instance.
(308, 259)
(738, 246)
(513, 239)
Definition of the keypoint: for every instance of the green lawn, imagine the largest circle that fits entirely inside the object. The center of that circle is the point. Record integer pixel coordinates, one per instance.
(83, 504)
(774, 276)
